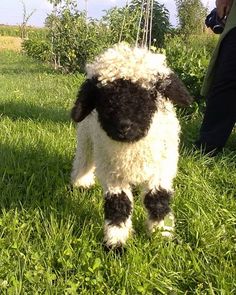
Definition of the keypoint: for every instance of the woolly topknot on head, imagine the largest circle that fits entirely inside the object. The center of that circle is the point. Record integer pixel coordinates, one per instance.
(124, 62)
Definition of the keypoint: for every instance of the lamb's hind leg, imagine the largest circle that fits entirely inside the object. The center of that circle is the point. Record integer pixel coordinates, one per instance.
(118, 206)
(82, 174)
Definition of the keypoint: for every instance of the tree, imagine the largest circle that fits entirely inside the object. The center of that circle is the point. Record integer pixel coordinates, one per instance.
(51, 23)
(73, 39)
(55, 2)
(160, 20)
(124, 22)
(191, 15)
(26, 17)
(121, 24)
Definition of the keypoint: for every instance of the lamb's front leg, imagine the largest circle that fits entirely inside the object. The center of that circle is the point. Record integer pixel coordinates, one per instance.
(159, 191)
(157, 203)
(82, 174)
(118, 206)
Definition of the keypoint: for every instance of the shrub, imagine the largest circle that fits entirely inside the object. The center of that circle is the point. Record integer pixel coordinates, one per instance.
(75, 41)
(124, 22)
(189, 58)
(38, 49)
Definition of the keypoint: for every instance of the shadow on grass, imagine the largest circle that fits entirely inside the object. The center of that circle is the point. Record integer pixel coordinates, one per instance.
(33, 178)
(15, 111)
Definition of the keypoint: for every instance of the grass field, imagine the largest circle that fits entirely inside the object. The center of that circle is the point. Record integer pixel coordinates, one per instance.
(50, 235)
(14, 31)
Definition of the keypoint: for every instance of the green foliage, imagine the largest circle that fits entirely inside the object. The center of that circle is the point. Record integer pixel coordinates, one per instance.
(36, 32)
(161, 23)
(124, 22)
(160, 20)
(189, 58)
(75, 39)
(51, 235)
(37, 48)
(191, 15)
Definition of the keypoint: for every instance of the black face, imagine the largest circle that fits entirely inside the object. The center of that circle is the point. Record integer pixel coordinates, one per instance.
(125, 110)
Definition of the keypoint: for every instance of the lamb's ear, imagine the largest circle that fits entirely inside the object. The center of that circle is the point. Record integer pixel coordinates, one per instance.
(85, 101)
(174, 89)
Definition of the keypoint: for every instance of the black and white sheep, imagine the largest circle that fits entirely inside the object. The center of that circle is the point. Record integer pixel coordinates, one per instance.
(128, 134)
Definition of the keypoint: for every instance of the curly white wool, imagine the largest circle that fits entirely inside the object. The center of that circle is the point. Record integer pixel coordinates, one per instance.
(143, 66)
(151, 161)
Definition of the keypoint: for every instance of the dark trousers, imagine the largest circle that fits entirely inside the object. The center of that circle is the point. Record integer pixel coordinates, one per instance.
(220, 114)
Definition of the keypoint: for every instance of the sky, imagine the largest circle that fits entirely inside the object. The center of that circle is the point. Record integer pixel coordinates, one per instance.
(11, 11)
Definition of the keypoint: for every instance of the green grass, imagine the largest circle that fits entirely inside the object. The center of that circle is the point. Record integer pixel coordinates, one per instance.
(50, 235)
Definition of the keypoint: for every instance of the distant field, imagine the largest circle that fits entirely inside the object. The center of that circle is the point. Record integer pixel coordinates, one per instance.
(9, 31)
(10, 43)
(14, 31)
(10, 36)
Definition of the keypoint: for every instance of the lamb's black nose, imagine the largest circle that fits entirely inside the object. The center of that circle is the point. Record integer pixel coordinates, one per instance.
(124, 126)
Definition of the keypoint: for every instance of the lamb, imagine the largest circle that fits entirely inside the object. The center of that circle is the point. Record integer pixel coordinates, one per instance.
(128, 134)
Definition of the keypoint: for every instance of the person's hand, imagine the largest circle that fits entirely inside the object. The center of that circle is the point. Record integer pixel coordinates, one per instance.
(223, 7)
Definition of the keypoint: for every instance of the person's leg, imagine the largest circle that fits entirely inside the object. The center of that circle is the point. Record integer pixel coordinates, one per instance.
(220, 114)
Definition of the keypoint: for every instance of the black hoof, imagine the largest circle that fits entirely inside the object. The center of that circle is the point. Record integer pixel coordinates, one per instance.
(118, 249)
